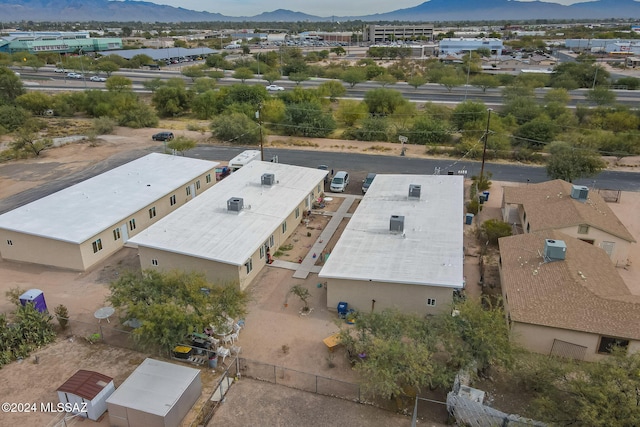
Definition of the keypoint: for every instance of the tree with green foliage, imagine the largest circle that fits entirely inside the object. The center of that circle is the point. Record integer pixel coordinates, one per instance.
(451, 81)
(632, 83)
(333, 89)
(10, 86)
(38, 103)
(385, 79)
(243, 73)
(153, 84)
(172, 305)
(601, 95)
(536, 133)
(308, 119)
(338, 50)
(493, 229)
(118, 84)
(467, 112)
(235, 128)
(205, 105)
(351, 111)
(139, 60)
(298, 78)
(416, 80)
(28, 140)
(373, 128)
(12, 118)
(273, 111)
(203, 84)
(193, 72)
(181, 144)
(253, 95)
(271, 76)
(304, 295)
(353, 76)
(485, 81)
(107, 67)
(383, 101)
(427, 130)
(571, 163)
(172, 100)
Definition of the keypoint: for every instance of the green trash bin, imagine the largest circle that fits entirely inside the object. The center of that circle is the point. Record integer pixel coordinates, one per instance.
(468, 219)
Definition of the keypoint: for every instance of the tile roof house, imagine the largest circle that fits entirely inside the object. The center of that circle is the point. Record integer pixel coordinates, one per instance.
(571, 209)
(571, 303)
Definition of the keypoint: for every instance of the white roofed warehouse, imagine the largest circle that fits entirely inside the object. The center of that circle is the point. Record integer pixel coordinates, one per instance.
(403, 247)
(79, 226)
(228, 232)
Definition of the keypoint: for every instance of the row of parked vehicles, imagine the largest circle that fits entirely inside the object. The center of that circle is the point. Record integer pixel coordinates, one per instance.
(340, 181)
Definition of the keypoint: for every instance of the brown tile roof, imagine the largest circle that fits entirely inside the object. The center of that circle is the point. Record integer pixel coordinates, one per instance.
(584, 292)
(549, 206)
(86, 384)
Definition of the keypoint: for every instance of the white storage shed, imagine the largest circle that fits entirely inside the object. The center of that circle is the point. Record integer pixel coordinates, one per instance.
(156, 394)
(86, 390)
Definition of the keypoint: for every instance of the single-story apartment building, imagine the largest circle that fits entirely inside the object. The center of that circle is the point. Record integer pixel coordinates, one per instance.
(563, 297)
(229, 232)
(571, 209)
(402, 248)
(81, 225)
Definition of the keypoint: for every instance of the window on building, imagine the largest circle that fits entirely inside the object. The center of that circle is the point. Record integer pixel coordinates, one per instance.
(528, 227)
(132, 224)
(197, 184)
(524, 217)
(249, 265)
(152, 212)
(607, 344)
(431, 302)
(116, 233)
(188, 189)
(208, 178)
(97, 246)
(154, 262)
(10, 242)
(297, 212)
(271, 241)
(583, 229)
(284, 227)
(172, 200)
(261, 251)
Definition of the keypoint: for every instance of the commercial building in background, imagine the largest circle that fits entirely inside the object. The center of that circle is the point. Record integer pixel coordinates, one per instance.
(82, 225)
(230, 232)
(461, 45)
(389, 33)
(402, 248)
(57, 42)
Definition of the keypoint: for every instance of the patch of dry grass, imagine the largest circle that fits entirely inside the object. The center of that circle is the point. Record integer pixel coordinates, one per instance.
(60, 127)
(292, 143)
(377, 148)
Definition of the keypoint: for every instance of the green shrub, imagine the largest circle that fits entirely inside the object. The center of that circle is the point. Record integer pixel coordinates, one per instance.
(473, 206)
(493, 229)
(103, 125)
(62, 314)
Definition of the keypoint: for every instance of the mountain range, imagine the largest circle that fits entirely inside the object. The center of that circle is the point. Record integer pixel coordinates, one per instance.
(429, 11)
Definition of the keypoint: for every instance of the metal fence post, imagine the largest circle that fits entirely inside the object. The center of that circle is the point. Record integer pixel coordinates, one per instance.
(275, 375)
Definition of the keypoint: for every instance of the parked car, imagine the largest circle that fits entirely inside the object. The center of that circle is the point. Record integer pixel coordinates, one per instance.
(274, 88)
(74, 76)
(339, 182)
(367, 182)
(98, 79)
(162, 136)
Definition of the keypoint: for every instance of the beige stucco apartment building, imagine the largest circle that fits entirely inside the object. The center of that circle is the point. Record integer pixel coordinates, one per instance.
(564, 297)
(402, 248)
(82, 225)
(570, 209)
(228, 231)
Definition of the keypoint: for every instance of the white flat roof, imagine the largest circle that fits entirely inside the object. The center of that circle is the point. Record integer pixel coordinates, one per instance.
(431, 250)
(154, 387)
(204, 228)
(83, 210)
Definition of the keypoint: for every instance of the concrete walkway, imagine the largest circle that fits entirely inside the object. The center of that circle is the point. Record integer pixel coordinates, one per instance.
(307, 265)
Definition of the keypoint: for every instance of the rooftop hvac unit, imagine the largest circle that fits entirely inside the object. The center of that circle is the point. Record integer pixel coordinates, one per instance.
(235, 204)
(414, 191)
(396, 223)
(580, 193)
(554, 250)
(268, 179)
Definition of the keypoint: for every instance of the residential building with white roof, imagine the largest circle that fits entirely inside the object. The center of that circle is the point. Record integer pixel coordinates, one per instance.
(228, 232)
(402, 248)
(79, 226)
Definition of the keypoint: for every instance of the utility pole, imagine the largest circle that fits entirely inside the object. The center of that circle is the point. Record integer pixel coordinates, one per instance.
(484, 149)
(260, 127)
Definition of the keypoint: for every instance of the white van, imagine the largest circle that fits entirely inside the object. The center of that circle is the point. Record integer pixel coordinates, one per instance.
(339, 182)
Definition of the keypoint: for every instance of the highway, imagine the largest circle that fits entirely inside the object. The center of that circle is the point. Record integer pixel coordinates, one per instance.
(47, 80)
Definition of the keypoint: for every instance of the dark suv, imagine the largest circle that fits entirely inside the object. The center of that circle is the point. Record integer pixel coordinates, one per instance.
(162, 136)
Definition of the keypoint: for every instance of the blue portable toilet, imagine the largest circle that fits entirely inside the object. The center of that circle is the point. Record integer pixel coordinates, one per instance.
(35, 297)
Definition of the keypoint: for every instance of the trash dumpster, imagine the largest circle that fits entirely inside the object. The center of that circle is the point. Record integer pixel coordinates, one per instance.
(468, 219)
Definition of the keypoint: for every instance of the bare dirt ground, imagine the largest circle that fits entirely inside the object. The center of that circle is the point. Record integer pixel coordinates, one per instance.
(275, 332)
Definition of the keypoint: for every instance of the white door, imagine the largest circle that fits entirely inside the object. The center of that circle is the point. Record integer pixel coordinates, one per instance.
(124, 232)
(608, 247)
(193, 190)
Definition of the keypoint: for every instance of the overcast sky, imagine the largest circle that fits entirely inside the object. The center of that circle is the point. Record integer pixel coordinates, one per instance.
(324, 8)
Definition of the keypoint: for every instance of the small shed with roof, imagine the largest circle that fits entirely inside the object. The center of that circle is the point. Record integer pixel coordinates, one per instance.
(86, 392)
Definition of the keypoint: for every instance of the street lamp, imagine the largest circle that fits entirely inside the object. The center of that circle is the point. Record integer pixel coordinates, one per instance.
(466, 88)
(84, 78)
